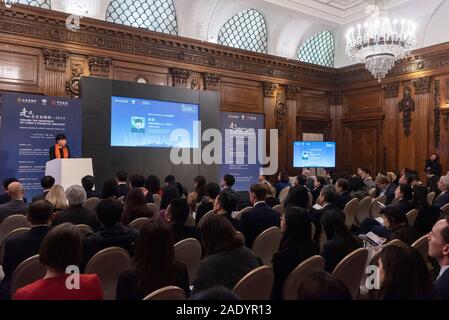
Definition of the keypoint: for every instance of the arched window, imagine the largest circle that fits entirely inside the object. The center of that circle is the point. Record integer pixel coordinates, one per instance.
(155, 15)
(246, 30)
(318, 49)
(44, 4)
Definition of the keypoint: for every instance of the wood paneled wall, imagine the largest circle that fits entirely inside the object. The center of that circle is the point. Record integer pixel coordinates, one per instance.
(39, 55)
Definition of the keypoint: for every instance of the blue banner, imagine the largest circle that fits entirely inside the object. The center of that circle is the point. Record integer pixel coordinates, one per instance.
(29, 125)
(244, 126)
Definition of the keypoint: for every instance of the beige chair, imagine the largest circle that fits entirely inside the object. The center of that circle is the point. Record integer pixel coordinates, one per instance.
(154, 208)
(256, 285)
(240, 236)
(431, 197)
(108, 264)
(92, 203)
(444, 209)
(27, 272)
(411, 216)
(11, 234)
(283, 194)
(204, 218)
(375, 207)
(351, 270)
(267, 244)
(422, 246)
(394, 242)
(363, 209)
(157, 200)
(394, 202)
(279, 209)
(291, 285)
(84, 230)
(11, 223)
(372, 192)
(242, 212)
(188, 252)
(167, 293)
(350, 211)
(138, 223)
(322, 239)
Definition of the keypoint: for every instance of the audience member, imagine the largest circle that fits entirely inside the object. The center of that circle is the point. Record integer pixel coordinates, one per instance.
(322, 286)
(438, 240)
(342, 189)
(212, 192)
(199, 192)
(367, 179)
(385, 188)
(319, 183)
(17, 204)
(56, 196)
(443, 197)
(121, 177)
(135, 206)
(428, 215)
(298, 196)
(110, 190)
(357, 188)
(177, 213)
(283, 182)
(153, 185)
(5, 197)
(88, 183)
(46, 182)
(169, 192)
(224, 205)
(404, 196)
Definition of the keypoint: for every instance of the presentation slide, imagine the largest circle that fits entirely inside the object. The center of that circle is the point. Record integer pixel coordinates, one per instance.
(149, 123)
(313, 154)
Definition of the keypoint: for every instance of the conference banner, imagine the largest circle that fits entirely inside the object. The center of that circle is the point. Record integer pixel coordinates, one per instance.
(242, 130)
(29, 125)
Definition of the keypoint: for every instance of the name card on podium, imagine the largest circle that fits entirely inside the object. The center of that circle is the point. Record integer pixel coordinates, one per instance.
(68, 172)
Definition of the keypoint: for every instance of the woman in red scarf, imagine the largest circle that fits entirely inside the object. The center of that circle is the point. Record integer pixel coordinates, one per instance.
(60, 150)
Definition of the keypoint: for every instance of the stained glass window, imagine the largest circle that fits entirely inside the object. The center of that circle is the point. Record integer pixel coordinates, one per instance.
(44, 4)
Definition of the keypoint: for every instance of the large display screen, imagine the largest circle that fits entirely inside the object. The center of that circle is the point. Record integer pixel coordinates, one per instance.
(312, 154)
(150, 123)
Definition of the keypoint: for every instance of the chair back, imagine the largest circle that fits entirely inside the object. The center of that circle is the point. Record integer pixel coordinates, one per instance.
(363, 209)
(242, 212)
(283, 194)
(84, 230)
(188, 252)
(204, 218)
(154, 208)
(167, 293)
(431, 197)
(444, 209)
(323, 239)
(138, 223)
(422, 246)
(310, 203)
(411, 216)
(291, 285)
(279, 209)
(11, 234)
(157, 200)
(108, 264)
(256, 285)
(350, 210)
(351, 269)
(375, 208)
(372, 192)
(267, 244)
(92, 203)
(27, 272)
(11, 223)
(240, 236)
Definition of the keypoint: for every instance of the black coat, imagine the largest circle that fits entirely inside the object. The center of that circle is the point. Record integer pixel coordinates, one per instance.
(53, 155)
(334, 250)
(42, 196)
(181, 232)
(435, 167)
(77, 215)
(123, 190)
(342, 199)
(441, 286)
(441, 200)
(257, 220)
(169, 193)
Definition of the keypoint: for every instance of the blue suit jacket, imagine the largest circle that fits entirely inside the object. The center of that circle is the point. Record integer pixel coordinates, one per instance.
(257, 220)
(442, 286)
(441, 200)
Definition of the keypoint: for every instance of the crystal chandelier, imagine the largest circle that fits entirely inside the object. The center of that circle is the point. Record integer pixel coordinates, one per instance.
(380, 42)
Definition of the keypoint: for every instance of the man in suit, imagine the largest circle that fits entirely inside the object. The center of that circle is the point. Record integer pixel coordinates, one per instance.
(385, 188)
(326, 202)
(439, 250)
(342, 189)
(77, 213)
(169, 192)
(16, 205)
(22, 246)
(367, 180)
(122, 182)
(88, 183)
(177, 213)
(46, 182)
(227, 183)
(443, 198)
(114, 233)
(60, 150)
(5, 197)
(260, 217)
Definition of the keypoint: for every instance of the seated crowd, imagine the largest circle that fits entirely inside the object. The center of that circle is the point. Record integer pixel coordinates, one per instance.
(310, 215)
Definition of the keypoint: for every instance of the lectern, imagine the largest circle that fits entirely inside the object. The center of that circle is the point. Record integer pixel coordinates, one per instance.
(68, 172)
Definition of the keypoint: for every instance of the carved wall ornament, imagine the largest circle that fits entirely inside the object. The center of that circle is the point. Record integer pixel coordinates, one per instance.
(142, 79)
(55, 60)
(292, 92)
(281, 115)
(407, 106)
(211, 81)
(436, 113)
(195, 84)
(270, 89)
(391, 90)
(422, 85)
(336, 98)
(99, 66)
(180, 77)
(72, 86)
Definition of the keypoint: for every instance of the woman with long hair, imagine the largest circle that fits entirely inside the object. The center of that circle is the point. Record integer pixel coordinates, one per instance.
(198, 194)
(135, 206)
(340, 241)
(154, 264)
(56, 196)
(226, 260)
(295, 247)
(297, 197)
(428, 215)
(153, 185)
(404, 195)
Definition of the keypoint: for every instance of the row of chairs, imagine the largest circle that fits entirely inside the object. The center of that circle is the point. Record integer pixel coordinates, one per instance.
(93, 202)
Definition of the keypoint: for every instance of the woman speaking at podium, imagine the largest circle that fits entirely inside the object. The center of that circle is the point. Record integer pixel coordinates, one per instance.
(60, 150)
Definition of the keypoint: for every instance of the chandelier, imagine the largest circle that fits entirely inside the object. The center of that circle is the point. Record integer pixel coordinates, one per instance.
(380, 42)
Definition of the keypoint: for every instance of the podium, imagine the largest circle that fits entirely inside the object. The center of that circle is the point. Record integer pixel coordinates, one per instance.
(68, 172)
